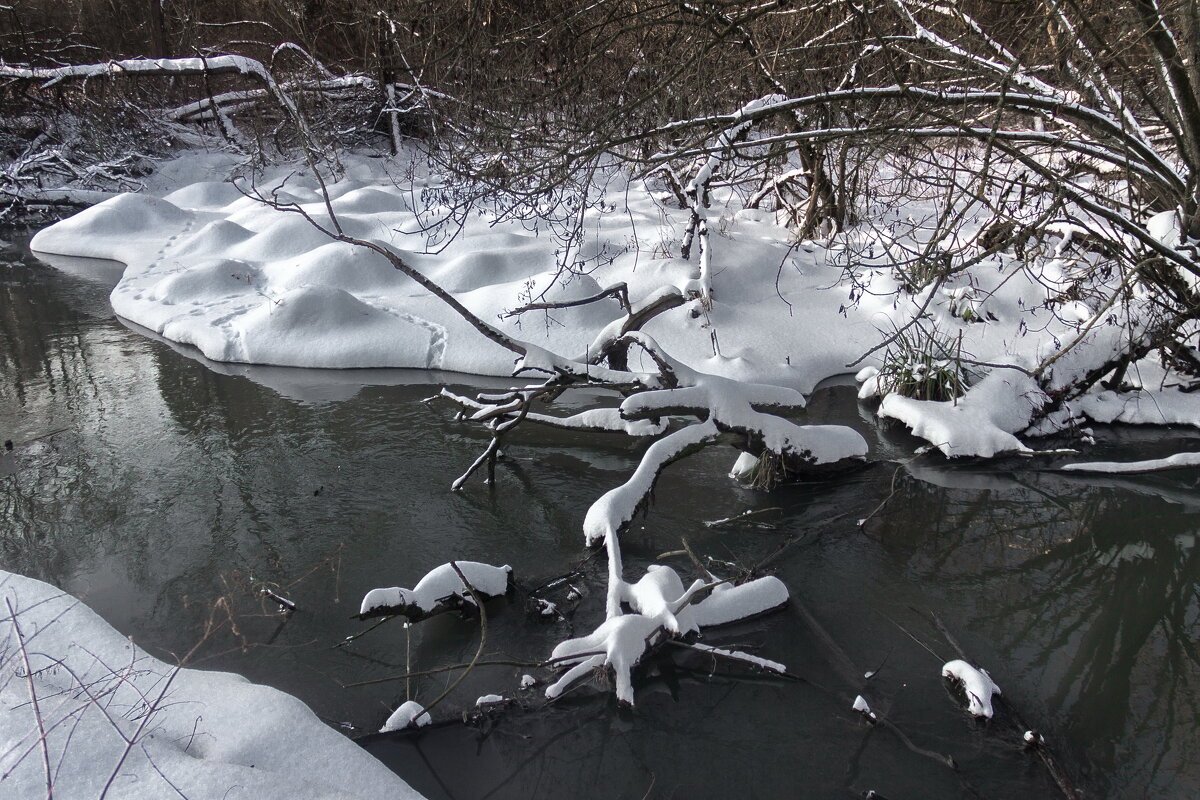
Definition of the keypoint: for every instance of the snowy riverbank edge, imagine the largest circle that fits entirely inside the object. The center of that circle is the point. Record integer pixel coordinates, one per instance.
(87, 712)
(210, 265)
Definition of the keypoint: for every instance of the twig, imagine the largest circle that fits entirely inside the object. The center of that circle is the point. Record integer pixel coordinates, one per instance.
(891, 493)
(286, 604)
(482, 637)
(494, 663)
(740, 517)
(129, 742)
(33, 697)
(364, 632)
(687, 548)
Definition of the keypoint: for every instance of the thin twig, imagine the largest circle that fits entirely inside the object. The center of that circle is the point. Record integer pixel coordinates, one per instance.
(482, 637)
(33, 697)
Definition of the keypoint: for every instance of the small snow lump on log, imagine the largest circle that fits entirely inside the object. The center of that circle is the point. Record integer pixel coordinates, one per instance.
(976, 684)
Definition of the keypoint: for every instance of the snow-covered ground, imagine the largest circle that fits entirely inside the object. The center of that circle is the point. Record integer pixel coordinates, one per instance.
(84, 712)
(246, 282)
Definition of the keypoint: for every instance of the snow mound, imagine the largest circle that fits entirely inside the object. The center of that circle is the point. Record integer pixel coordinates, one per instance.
(285, 236)
(205, 195)
(206, 282)
(207, 735)
(218, 236)
(337, 265)
(327, 327)
(123, 228)
(369, 200)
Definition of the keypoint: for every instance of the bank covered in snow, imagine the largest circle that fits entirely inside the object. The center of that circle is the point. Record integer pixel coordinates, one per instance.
(216, 266)
(84, 712)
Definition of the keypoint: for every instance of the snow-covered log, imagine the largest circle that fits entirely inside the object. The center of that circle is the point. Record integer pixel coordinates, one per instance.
(409, 714)
(439, 591)
(976, 685)
(663, 610)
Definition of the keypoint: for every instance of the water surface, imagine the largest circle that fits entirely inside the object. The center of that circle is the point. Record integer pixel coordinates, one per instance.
(168, 492)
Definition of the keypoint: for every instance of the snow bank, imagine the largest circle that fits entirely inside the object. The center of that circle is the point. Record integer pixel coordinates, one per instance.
(255, 274)
(1142, 407)
(980, 423)
(201, 734)
(244, 282)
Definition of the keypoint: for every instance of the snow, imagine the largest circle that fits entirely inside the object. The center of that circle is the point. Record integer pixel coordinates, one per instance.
(623, 640)
(493, 266)
(440, 583)
(864, 708)
(410, 714)
(730, 603)
(977, 685)
(1144, 406)
(1177, 461)
(203, 734)
(737, 655)
(980, 423)
(594, 419)
(488, 699)
(617, 506)
(209, 267)
(743, 466)
(662, 608)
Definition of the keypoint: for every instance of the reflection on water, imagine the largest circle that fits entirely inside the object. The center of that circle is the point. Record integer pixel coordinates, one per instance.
(168, 491)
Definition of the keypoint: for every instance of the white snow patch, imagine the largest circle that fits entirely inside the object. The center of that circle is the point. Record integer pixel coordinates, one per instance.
(976, 683)
(748, 658)
(659, 600)
(213, 735)
(980, 423)
(1177, 461)
(743, 466)
(410, 714)
(440, 583)
(862, 707)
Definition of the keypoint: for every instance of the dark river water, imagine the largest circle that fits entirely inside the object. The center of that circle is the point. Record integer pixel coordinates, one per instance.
(168, 492)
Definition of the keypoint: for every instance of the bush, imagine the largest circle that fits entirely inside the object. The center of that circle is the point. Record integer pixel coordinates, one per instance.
(924, 365)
